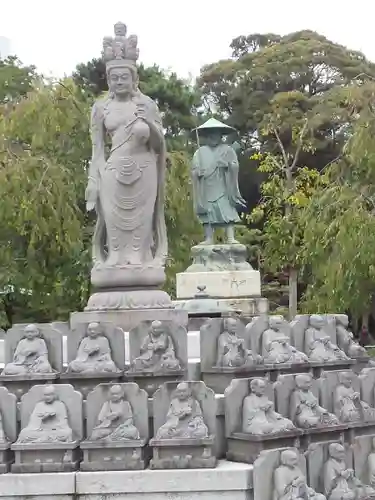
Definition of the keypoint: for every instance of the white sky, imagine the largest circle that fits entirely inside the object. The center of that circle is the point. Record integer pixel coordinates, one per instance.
(177, 35)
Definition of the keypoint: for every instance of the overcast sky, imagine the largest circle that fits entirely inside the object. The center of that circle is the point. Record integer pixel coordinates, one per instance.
(175, 34)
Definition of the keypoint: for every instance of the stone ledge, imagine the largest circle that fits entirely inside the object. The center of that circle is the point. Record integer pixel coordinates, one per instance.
(28, 485)
(227, 476)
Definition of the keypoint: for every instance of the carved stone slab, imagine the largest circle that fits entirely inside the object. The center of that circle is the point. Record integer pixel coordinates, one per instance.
(128, 454)
(150, 379)
(50, 456)
(8, 414)
(245, 447)
(183, 452)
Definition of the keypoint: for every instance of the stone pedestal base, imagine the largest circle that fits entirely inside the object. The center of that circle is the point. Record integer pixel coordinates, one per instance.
(6, 457)
(248, 307)
(128, 319)
(21, 384)
(86, 382)
(151, 382)
(182, 453)
(105, 300)
(227, 284)
(104, 456)
(46, 457)
(246, 448)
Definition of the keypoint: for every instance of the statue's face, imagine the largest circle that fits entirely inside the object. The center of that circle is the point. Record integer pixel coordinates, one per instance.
(120, 29)
(303, 382)
(93, 330)
(346, 381)
(49, 396)
(115, 394)
(231, 325)
(258, 387)
(290, 459)
(157, 328)
(276, 322)
(213, 138)
(183, 392)
(338, 452)
(120, 81)
(316, 321)
(31, 332)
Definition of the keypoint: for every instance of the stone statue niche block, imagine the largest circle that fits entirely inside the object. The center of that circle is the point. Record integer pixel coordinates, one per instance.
(315, 335)
(367, 381)
(33, 353)
(117, 428)
(281, 475)
(96, 351)
(341, 394)
(184, 426)
(297, 398)
(158, 354)
(251, 422)
(271, 337)
(8, 427)
(345, 339)
(51, 429)
(337, 478)
(226, 354)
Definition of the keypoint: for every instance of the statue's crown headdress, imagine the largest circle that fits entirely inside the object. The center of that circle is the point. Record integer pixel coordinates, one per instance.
(120, 49)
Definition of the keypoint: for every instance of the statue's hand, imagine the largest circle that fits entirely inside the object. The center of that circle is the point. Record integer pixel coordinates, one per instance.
(91, 195)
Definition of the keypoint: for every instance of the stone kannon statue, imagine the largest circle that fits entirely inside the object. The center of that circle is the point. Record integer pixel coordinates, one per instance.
(289, 480)
(94, 353)
(305, 411)
(157, 353)
(127, 188)
(340, 482)
(231, 350)
(215, 182)
(318, 343)
(48, 422)
(258, 413)
(347, 402)
(184, 417)
(115, 420)
(345, 338)
(31, 355)
(276, 346)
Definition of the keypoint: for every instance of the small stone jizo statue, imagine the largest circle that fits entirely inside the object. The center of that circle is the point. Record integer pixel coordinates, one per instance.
(215, 182)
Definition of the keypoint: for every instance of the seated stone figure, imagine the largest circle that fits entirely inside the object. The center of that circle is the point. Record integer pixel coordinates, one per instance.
(258, 413)
(345, 338)
(347, 402)
(289, 481)
(318, 344)
(305, 411)
(231, 351)
(340, 483)
(276, 346)
(30, 356)
(94, 353)
(48, 422)
(184, 417)
(115, 420)
(157, 352)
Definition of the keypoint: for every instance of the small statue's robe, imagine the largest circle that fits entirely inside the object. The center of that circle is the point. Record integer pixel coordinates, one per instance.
(259, 417)
(115, 422)
(94, 355)
(157, 354)
(30, 356)
(184, 420)
(276, 348)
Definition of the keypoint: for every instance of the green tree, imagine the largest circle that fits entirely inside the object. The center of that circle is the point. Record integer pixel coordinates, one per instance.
(43, 245)
(339, 237)
(16, 80)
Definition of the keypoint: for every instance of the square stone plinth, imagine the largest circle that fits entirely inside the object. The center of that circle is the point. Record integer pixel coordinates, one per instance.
(219, 284)
(45, 457)
(104, 455)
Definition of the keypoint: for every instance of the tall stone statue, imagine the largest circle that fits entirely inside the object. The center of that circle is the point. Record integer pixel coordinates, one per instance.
(126, 187)
(215, 181)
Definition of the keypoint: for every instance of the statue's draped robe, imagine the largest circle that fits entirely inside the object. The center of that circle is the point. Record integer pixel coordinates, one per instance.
(216, 191)
(184, 420)
(290, 484)
(274, 351)
(131, 223)
(54, 428)
(30, 356)
(318, 349)
(94, 354)
(157, 353)
(345, 341)
(230, 352)
(115, 429)
(305, 411)
(256, 419)
(349, 409)
(337, 487)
